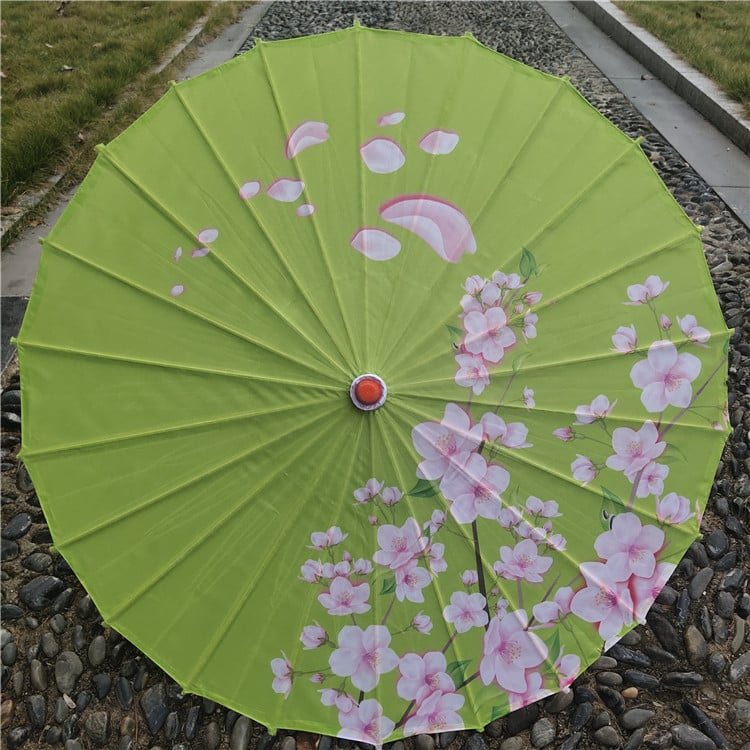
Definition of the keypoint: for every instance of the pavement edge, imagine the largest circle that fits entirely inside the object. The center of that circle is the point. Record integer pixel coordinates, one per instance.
(697, 90)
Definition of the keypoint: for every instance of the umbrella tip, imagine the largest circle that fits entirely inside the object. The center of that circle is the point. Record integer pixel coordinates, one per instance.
(357, 23)
(41, 240)
(99, 148)
(469, 35)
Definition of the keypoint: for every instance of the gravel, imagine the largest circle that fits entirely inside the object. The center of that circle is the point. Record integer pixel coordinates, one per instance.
(681, 680)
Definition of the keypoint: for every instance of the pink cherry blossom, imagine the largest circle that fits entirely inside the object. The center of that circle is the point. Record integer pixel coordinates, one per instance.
(249, 189)
(475, 490)
(199, 252)
(531, 298)
(507, 281)
(410, 580)
(306, 134)
(311, 571)
(391, 496)
(512, 435)
(342, 701)
(179, 289)
(537, 507)
(651, 481)
(488, 334)
(501, 607)
(629, 547)
(373, 520)
(466, 611)
(689, 326)
(207, 236)
(563, 433)
(390, 118)
(363, 495)
(605, 600)
(283, 673)
(422, 675)
(439, 223)
(510, 516)
(625, 339)
(438, 141)
(436, 522)
(567, 667)
(363, 655)
(177, 254)
(633, 450)
(306, 209)
(436, 561)
(398, 545)
(529, 325)
(285, 189)
(469, 577)
(446, 443)
(472, 373)
(559, 606)
(509, 650)
(362, 567)
(645, 590)
(332, 570)
(583, 469)
(436, 713)
(491, 294)
(528, 398)
(599, 408)
(640, 294)
(470, 303)
(313, 636)
(382, 155)
(523, 562)
(366, 723)
(345, 598)
(665, 377)
(534, 691)
(325, 539)
(666, 323)
(375, 244)
(673, 508)
(318, 678)
(474, 284)
(422, 623)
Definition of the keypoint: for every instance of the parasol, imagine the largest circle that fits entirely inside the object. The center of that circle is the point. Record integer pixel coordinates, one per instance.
(373, 384)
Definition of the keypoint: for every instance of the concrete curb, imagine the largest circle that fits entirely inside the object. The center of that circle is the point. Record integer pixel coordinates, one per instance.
(697, 90)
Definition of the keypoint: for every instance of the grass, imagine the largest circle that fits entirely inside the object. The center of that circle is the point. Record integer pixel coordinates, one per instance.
(713, 37)
(77, 73)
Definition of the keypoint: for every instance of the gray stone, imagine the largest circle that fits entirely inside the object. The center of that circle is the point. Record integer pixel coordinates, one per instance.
(8, 550)
(720, 628)
(62, 710)
(572, 742)
(611, 679)
(127, 726)
(704, 724)
(519, 720)
(689, 738)
(559, 702)
(36, 710)
(611, 698)
(635, 740)
(50, 646)
(634, 678)
(73, 745)
(288, 743)
(191, 723)
(695, 645)
(212, 736)
(17, 526)
(475, 742)
(682, 679)
(58, 623)
(154, 707)
(40, 592)
(724, 604)
(607, 737)
(9, 654)
(738, 639)
(97, 651)
(68, 669)
(102, 684)
(124, 694)
(717, 544)
(512, 743)
(582, 716)
(424, 742)
(717, 663)
(739, 713)
(635, 718)
(172, 726)
(697, 587)
(602, 719)
(38, 675)
(604, 662)
(16, 737)
(444, 739)
(631, 656)
(5, 637)
(733, 580)
(542, 733)
(740, 667)
(96, 725)
(495, 728)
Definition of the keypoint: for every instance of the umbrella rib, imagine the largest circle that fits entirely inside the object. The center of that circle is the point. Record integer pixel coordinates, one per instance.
(181, 367)
(198, 542)
(260, 571)
(202, 316)
(156, 203)
(362, 188)
(186, 427)
(590, 282)
(321, 244)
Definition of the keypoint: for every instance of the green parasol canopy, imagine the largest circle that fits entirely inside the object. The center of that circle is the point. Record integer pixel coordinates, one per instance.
(373, 383)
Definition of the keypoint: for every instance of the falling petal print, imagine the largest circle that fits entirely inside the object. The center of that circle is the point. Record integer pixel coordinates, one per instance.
(391, 118)
(439, 141)
(382, 155)
(177, 254)
(306, 209)
(375, 243)
(439, 223)
(177, 290)
(199, 252)
(306, 134)
(249, 190)
(285, 189)
(207, 236)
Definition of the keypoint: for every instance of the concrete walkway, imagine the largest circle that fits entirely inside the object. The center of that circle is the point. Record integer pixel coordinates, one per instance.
(722, 164)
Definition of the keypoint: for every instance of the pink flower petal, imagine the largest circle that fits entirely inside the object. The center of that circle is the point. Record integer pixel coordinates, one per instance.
(375, 243)
(285, 189)
(306, 134)
(306, 209)
(382, 155)
(249, 190)
(177, 254)
(391, 118)
(207, 236)
(199, 252)
(177, 290)
(439, 223)
(438, 141)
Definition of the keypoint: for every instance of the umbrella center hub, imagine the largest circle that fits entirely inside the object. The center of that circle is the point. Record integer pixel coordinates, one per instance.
(368, 392)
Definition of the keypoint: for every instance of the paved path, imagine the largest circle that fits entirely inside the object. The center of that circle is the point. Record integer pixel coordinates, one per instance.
(721, 164)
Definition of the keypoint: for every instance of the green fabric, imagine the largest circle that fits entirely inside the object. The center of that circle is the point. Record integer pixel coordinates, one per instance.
(187, 420)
